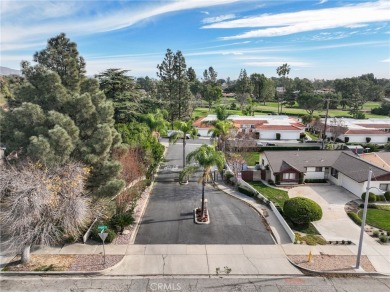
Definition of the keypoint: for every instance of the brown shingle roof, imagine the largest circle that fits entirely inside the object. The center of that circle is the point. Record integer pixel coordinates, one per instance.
(356, 168)
(301, 159)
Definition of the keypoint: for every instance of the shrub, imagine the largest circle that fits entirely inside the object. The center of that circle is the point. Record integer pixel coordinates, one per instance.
(122, 220)
(301, 177)
(302, 136)
(110, 237)
(384, 238)
(387, 196)
(271, 182)
(302, 210)
(316, 180)
(375, 233)
(368, 139)
(233, 106)
(371, 197)
(246, 191)
(278, 136)
(277, 178)
(228, 176)
(388, 233)
(355, 218)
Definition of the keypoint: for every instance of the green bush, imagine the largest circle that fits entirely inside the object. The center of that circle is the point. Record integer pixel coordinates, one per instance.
(355, 218)
(110, 237)
(384, 238)
(375, 233)
(122, 220)
(387, 196)
(346, 139)
(371, 197)
(302, 210)
(368, 139)
(316, 180)
(277, 178)
(246, 191)
(228, 176)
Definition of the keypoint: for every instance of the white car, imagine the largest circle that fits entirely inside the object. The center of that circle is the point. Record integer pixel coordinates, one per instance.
(258, 143)
(171, 132)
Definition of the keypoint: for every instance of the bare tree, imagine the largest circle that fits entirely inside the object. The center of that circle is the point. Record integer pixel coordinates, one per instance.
(337, 127)
(41, 206)
(236, 162)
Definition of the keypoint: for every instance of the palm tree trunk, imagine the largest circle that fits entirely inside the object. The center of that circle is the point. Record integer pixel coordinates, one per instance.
(202, 207)
(184, 151)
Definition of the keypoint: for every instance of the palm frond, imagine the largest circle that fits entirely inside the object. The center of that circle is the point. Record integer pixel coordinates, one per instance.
(187, 171)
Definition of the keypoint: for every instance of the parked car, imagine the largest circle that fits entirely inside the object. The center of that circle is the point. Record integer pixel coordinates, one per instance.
(171, 132)
(258, 143)
(270, 144)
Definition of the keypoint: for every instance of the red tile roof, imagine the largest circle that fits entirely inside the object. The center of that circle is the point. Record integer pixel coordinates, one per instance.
(249, 122)
(278, 127)
(376, 126)
(365, 132)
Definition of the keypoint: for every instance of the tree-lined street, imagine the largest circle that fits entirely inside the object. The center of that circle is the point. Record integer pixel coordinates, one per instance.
(169, 215)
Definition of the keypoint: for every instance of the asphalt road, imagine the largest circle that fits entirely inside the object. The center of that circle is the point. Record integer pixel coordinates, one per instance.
(275, 284)
(169, 215)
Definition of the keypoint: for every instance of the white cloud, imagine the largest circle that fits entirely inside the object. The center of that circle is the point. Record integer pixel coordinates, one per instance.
(386, 60)
(322, 2)
(218, 18)
(308, 20)
(19, 26)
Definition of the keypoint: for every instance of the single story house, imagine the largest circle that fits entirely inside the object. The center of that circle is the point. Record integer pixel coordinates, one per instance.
(342, 168)
(264, 127)
(356, 131)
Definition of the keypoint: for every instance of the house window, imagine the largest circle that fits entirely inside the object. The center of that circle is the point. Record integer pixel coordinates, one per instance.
(289, 175)
(384, 187)
(334, 173)
(318, 169)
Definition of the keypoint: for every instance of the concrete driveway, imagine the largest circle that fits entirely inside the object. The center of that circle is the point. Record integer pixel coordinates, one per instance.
(168, 218)
(336, 225)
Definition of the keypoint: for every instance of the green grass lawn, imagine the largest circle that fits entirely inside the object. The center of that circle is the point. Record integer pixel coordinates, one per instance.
(275, 195)
(377, 218)
(251, 157)
(295, 110)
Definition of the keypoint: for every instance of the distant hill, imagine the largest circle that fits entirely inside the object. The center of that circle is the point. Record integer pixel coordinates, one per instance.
(4, 71)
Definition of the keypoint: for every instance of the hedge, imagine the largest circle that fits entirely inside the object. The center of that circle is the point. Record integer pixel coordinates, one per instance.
(316, 180)
(283, 148)
(371, 197)
(245, 191)
(355, 218)
(302, 210)
(387, 196)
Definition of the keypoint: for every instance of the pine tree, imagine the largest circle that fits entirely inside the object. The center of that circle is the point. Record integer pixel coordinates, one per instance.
(55, 124)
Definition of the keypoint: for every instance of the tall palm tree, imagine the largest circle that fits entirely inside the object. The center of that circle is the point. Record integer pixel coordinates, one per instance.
(184, 130)
(283, 70)
(206, 157)
(221, 131)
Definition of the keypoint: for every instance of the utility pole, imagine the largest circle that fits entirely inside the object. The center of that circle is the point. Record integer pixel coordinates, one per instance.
(326, 121)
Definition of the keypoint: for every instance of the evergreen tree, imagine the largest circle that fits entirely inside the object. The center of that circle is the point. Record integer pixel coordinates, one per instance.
(174, 87)
(243, 88)
(61, 56)
(54, 125)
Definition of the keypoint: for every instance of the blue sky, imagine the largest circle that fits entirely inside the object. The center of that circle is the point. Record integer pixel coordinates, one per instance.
(318, 39)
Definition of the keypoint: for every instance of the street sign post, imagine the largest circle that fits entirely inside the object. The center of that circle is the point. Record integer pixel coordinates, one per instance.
(103, 237)
(101, 228)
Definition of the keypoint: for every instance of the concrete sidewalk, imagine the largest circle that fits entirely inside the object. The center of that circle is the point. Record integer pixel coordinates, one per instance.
(204, 260)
